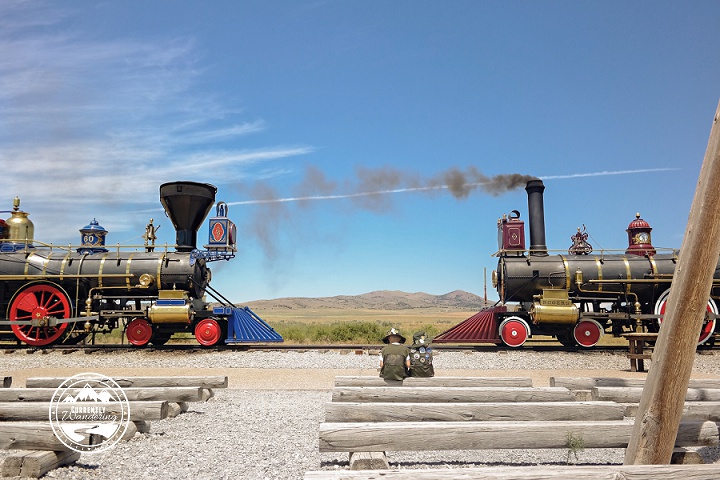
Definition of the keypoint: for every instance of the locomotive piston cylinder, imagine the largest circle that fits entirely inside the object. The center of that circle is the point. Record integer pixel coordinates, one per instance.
(554, 306)
(172, 306)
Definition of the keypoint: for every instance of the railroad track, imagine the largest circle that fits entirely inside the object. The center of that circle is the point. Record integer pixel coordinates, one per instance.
(357, 348)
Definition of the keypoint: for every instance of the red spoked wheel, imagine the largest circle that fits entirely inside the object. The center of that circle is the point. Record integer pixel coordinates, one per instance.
(708, 326)
(514, 331)
(139, 332)
(38, 303)
(588, 333)
(208, 332)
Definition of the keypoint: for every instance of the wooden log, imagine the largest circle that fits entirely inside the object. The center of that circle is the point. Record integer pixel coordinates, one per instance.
(691, 410)
(39, 411)
(129, 432)
(174, 410)
(375, 437)
(458, 412)
(169, 394)
(633, 394)
(683, 456)
(451, 394)
(587, 383)
(140, 382)
(535, 472)
(363, 381)
(368, 461)
(7, 382)
(142, 426)
(29, 436)
(660, 410)
(35, 464)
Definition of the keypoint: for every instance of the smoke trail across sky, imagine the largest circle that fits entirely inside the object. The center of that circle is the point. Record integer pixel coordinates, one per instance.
(371, 190)
(460, 188)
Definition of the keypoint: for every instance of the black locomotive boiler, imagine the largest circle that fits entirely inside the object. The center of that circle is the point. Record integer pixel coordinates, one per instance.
(53, 295)
(576, 296)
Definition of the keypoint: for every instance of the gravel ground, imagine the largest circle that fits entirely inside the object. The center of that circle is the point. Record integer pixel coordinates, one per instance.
(249, 433)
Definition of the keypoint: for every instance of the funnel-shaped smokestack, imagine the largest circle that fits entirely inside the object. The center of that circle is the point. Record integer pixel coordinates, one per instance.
(187, 204)
(536, 217)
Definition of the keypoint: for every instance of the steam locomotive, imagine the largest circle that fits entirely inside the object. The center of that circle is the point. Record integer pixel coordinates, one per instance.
(575, 297)
(60, 295)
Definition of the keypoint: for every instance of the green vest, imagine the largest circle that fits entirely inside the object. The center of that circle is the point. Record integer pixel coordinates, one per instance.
(421, 359)
(394, 362)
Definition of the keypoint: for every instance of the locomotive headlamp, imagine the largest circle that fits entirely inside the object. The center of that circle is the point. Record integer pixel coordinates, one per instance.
(146, 280)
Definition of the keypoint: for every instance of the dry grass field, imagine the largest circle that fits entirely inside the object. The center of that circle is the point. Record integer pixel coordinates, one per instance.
(432, 320)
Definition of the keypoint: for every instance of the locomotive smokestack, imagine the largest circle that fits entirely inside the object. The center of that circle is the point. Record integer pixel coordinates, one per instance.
(536, 217)
(187, 204)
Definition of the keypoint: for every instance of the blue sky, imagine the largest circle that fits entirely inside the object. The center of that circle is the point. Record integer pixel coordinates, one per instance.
(611, 103)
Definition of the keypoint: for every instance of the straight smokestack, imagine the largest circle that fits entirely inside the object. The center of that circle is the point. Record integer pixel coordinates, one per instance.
(536, 217)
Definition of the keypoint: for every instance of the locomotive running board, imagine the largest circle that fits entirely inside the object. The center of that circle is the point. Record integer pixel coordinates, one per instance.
(52, 321)
(244, 326)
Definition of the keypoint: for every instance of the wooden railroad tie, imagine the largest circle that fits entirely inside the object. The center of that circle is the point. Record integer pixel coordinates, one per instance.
(24, 425)
(555, 472)
(443, 414)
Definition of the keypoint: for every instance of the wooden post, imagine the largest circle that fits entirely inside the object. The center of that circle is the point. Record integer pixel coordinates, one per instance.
(661, 405)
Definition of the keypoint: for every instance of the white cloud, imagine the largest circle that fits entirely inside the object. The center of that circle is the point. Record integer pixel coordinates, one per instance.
(97, 125)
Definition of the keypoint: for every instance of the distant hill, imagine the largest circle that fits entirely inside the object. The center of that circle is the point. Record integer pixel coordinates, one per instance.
(378, 300)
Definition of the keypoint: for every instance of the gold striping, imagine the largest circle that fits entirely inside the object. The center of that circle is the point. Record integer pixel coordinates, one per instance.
(100, 270)
(567, 272)
(127, 270)
(46, 262)
(63, 264)
(27, 263)
(653, 266)
(159, 270)
(628, 276)
(599, 273)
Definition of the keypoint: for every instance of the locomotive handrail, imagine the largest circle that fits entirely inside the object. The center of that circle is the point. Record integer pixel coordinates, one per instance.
(66, 275)
(599, 252)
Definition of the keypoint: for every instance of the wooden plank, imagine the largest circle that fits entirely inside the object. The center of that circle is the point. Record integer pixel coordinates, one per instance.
(169, 394)
(364, 381)
(633, 394)
(451, 394)
(458, 412)
(535, 472)
(215, 381)
(29, 436)
(34, 464)
(587, 383)
(39, 411)
(382, 436)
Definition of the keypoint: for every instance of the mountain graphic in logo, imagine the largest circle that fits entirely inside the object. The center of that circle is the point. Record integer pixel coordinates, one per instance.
(89, 394)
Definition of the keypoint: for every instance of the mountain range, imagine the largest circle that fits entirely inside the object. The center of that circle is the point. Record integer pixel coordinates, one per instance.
(377, 300)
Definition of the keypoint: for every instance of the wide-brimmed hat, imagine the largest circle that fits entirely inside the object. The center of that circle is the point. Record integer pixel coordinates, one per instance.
(393, 331)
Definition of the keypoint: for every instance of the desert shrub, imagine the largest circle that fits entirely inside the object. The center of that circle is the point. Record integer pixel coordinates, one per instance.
(338, 332)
